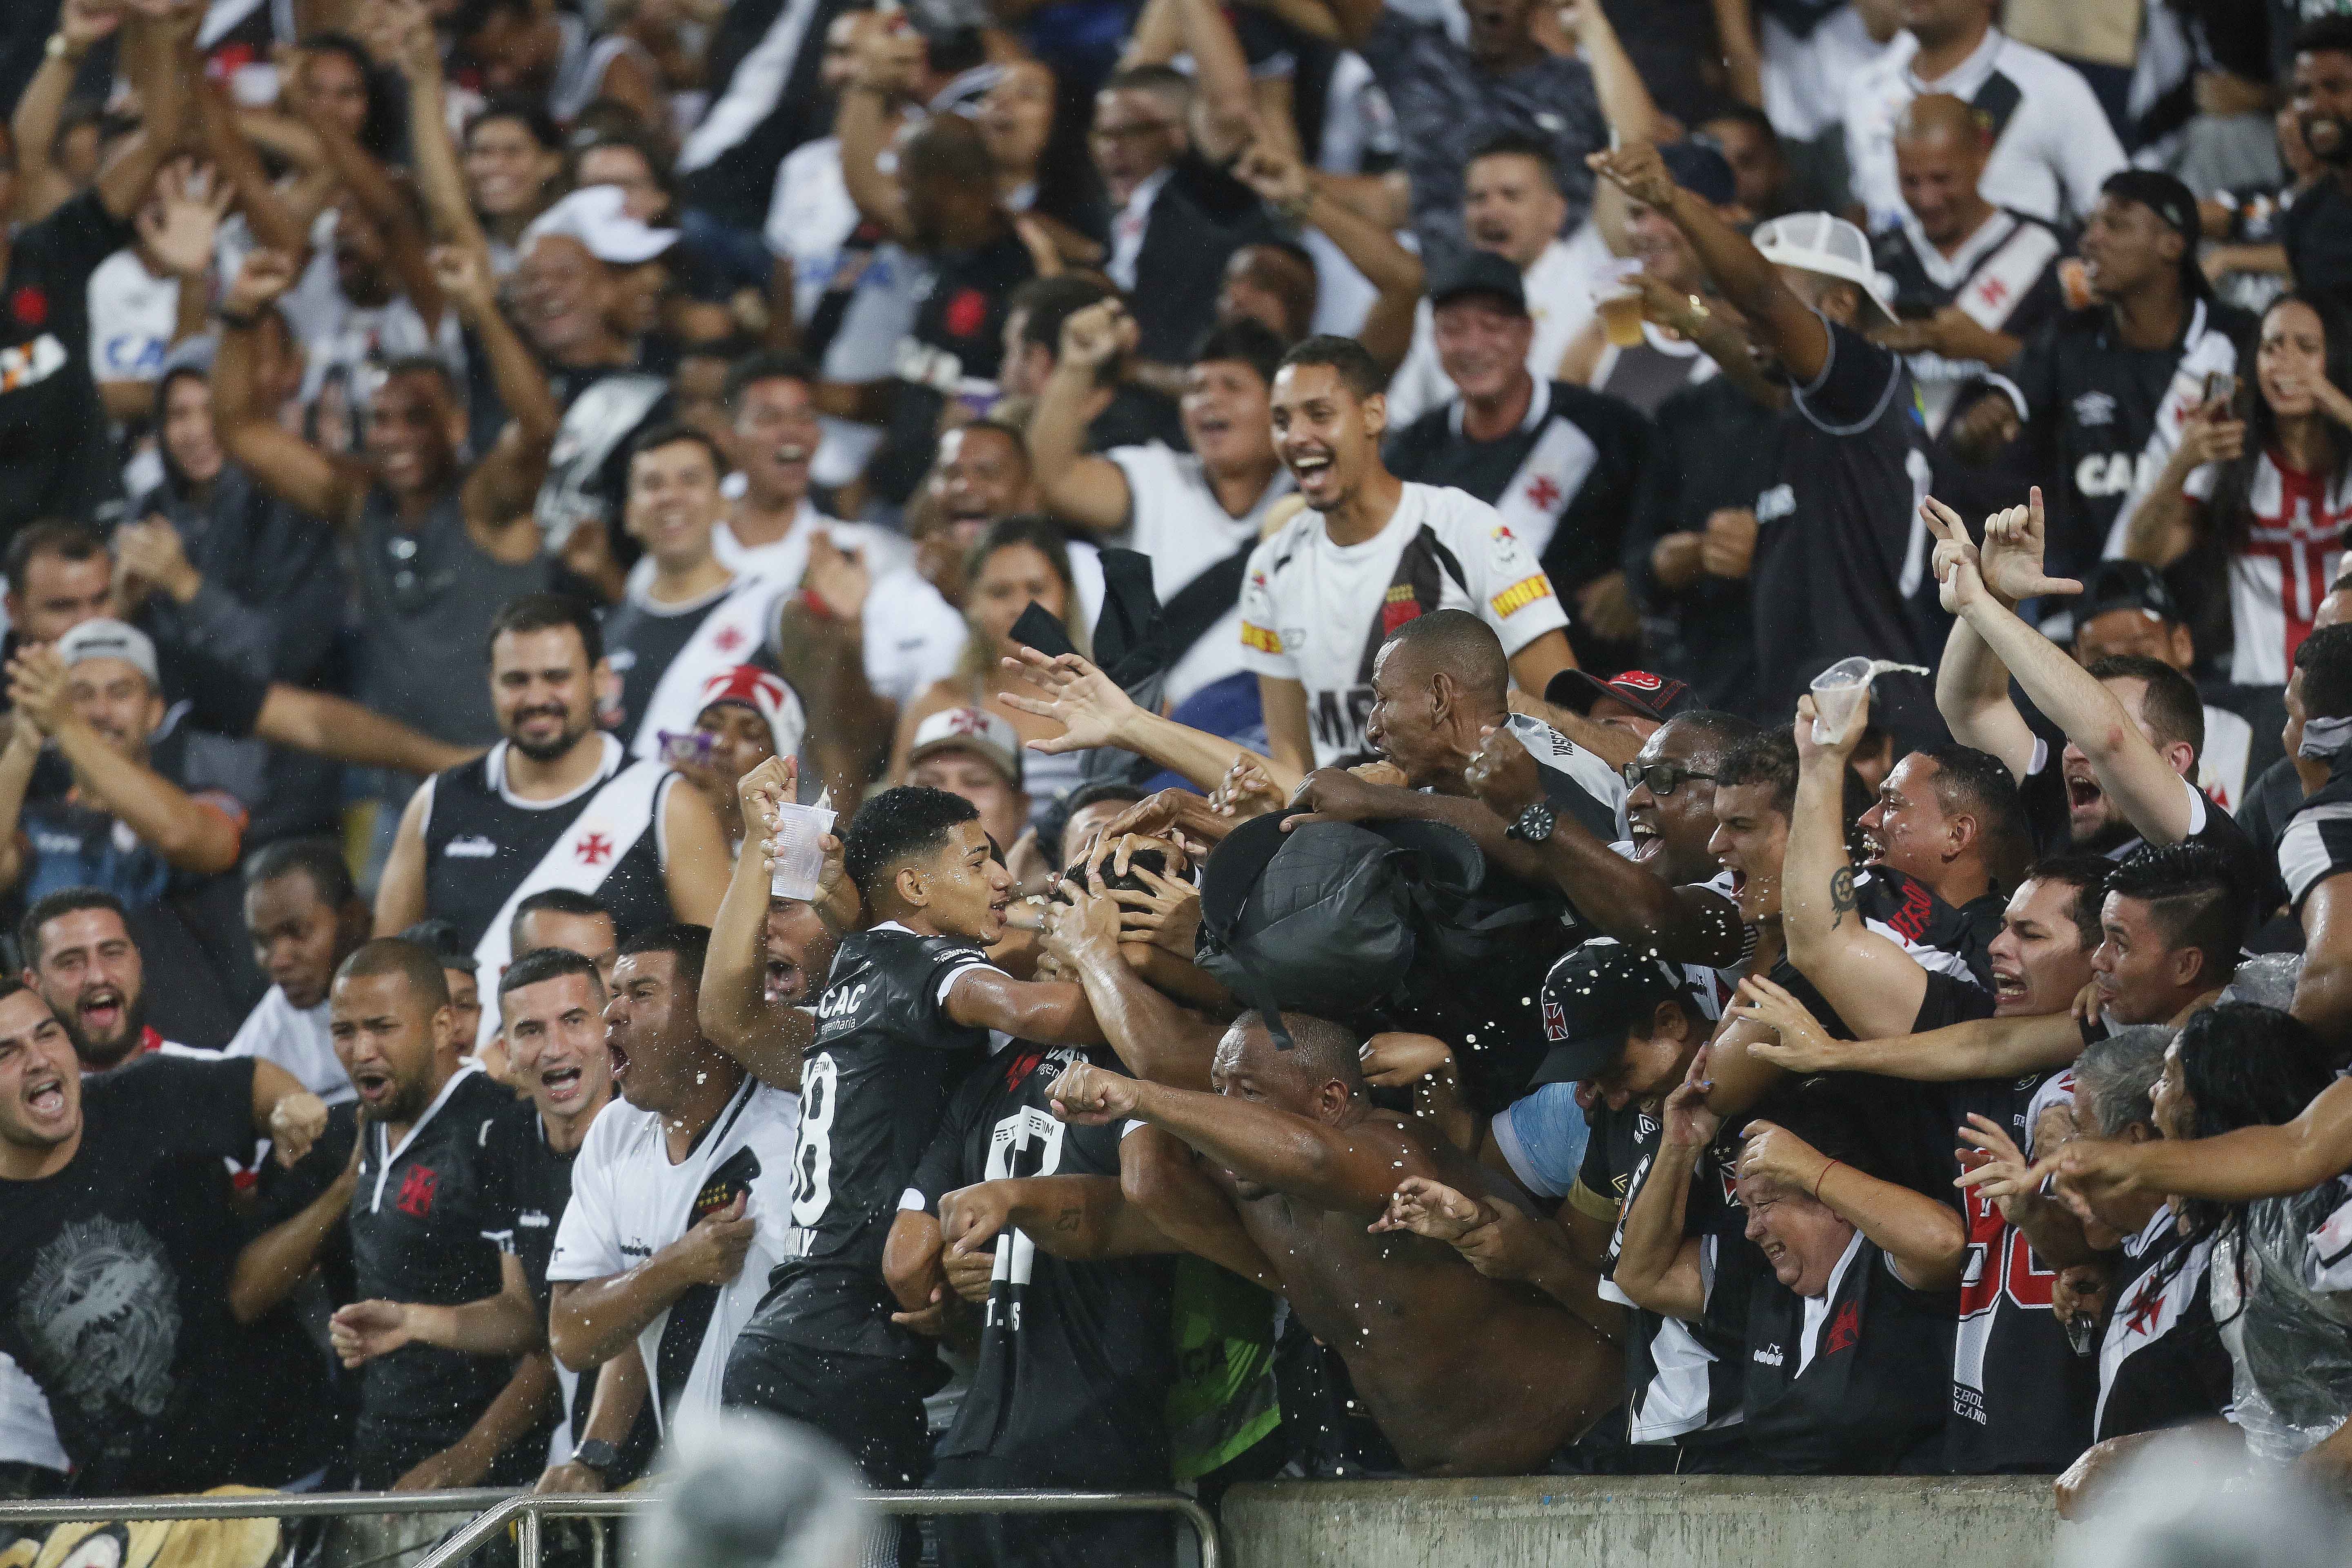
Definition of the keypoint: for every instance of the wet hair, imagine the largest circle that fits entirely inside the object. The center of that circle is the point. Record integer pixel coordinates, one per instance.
(1718, 732)
(56, 906)
(1513, 145)
(2118, 1075)
(1462, 646)
(1349, 360)
(2326, 660)
(1319, 1047)
(544, 963)
(2172, 708)
(2193, 899)
(50, 536)
(1076, 801)
(2087, 876)
(1769, 757)
(898, 826)
(547, 612)
(672, 432)
(413, 960)
(320, 859)
(555, 901)
(1242, 341)
(690, 944)
(768, 364)
(1044, 304)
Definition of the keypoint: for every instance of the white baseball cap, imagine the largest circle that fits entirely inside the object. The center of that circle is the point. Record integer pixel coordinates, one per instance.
(104, 639)
(1824, 244)
(594, 215)
(974, 729)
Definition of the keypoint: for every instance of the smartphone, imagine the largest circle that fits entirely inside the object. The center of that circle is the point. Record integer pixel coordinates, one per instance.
(2220, 387)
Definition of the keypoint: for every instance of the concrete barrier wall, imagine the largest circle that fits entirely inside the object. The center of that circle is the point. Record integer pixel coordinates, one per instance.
(1649, 1522)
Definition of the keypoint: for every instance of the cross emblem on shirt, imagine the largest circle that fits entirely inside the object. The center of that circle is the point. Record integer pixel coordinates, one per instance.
(1543, 492)
(594, 849)
(728, 639)
(1993, 290)
(2145, 1305)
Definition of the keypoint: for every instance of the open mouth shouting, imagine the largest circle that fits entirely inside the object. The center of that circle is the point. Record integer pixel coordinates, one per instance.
(1647, 843)
(2009, 988)
(375, 1086)
(561, 1082)
(45, 1097)
(785, 981)
(2084, 798)
(620, 1058)
(1313, 470)
(100, 1013)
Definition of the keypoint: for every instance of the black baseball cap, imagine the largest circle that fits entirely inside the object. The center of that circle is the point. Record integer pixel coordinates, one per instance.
(1659, 697)
(2170, 200)
(2125, 586)
(1699, 167)
(1592, 999)
(1479, 272)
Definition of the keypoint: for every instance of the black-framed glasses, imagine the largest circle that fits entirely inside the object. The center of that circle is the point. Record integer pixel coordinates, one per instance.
(1664, 778)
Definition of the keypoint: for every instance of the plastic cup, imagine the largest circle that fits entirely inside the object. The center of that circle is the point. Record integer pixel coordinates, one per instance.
(799, 853)
(1617, 301)
(1837, 696)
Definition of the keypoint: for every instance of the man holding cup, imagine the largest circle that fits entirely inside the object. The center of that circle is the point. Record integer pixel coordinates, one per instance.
(1841, 556)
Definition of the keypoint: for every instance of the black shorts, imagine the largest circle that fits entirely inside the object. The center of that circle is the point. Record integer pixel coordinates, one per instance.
(871, 1405)
(1043, 1540)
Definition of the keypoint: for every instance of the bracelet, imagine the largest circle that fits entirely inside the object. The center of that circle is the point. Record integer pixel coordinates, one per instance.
(1825, 1177)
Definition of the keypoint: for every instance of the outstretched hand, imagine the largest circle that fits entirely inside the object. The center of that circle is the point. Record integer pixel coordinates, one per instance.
(1091, 707)
(1804, 1046)
(2014, 541)
(1430, 1208)
(1958, 566)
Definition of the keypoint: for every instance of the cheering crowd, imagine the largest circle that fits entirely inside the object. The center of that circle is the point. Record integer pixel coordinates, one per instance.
(1309, 567)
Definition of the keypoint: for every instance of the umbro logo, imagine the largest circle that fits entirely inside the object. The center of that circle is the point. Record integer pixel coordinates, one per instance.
(2095, 408)
(472, 846)
(1775, 503)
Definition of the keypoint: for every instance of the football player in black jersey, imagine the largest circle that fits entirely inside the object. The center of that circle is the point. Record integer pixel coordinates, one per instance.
(1465, 1375)
(909, 1005)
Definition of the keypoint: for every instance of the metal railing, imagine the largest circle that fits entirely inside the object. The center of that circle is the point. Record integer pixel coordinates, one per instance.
(493, 1508)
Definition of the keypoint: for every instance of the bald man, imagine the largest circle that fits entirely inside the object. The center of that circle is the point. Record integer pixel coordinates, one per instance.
(1464, 1375)
(1971, 280)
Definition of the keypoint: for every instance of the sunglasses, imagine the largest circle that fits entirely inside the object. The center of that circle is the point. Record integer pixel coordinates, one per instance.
(1664, 778)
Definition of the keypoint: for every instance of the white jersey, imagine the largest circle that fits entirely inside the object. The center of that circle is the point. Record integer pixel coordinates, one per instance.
(628, 1202)
(913, 636)
(810, 218)
(131, 314)
(1558, 287)
(1316, 613)
(2052, 144)
(2222, 765)
(1174, 517)
(296, 1039)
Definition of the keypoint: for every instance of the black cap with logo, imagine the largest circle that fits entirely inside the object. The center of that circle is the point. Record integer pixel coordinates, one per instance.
(1594, 999)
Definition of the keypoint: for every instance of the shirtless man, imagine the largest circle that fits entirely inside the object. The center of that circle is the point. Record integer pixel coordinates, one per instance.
(1465, 1376)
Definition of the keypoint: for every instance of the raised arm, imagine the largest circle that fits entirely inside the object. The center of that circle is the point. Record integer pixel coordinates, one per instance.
(2234, 1168)
(159, 57)
(498, 493)
(505, 1324)
(1775, 316)
(885, 59)
(42, 187)
(2143, 780)
(1658, 1268)
(266, 214)
(1972, 684)
(438, 173)
(1093, 711)
(1981, 1048)
(270, 1266)
(1869, 981)
(1078, 486)
(1625, 101)
(1050, 1011)
(696, 867)
(17, 759)
(1352, 1168)
(1224, 117)
(289, 467)
(1922, 1236)
(1683, 925)
(732, 1005)
(1309, 197)
(2168, 522)
(367, 183)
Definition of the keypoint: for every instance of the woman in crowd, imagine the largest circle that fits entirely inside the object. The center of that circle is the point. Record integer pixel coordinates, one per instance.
(735, 732)
(2267, 493)
(1019, 561)
(513, 162)
(1842, 1289)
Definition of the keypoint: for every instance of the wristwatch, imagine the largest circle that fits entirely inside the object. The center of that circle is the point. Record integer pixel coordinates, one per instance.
(597, 1454)
(1534, 823)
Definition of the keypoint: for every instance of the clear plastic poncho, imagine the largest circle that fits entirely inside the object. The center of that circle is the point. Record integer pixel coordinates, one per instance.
(2282, 1293)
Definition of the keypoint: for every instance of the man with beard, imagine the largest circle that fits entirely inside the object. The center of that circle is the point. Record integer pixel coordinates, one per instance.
(2134, 726)
(550, 1005)
(556, 803)
(1558, 462)
(79, 955)
(1368, 554)
(418, 1207)
(2318, 226)
(305, 916)
(439, 547)
(1839, 578)
(1465, 1376)
(114, 1263)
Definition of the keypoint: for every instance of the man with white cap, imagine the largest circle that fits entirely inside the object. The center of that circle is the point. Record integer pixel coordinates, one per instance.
(971, 753)
(581, 261)
(128, 826)
(1841, 549)
(691, 618)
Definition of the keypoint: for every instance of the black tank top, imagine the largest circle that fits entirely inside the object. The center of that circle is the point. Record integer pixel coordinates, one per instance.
(481, 843)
